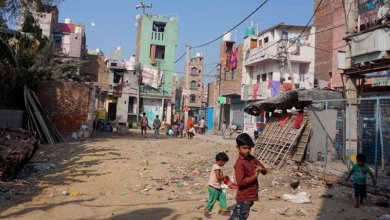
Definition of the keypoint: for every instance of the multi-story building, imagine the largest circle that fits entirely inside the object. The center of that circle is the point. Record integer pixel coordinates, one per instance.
(330, 33)
(265, 68)
(45, 15)
(193, 83)
(70, 38)
(155, 54)
(122, 95)
(229, 105)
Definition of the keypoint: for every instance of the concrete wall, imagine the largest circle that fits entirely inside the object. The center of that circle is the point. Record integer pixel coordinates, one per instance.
(68, 104)
(196, 62)
(231, 86)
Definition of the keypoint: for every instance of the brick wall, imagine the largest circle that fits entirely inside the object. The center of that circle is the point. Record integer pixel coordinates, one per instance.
(231, 86)
(67, 104)
(95, 70)
(330, 25)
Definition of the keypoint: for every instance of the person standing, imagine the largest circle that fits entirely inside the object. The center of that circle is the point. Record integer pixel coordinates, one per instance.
(156, 126)
(144, 124)
(203, 125)
(223, 129)
(247, 170)
(181, 128)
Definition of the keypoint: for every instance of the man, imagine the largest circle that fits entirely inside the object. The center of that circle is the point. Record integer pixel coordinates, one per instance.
(203, 125)
(156, 126)
(144, 124)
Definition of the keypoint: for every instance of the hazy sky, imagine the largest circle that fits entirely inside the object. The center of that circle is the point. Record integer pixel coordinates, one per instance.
(110, 23)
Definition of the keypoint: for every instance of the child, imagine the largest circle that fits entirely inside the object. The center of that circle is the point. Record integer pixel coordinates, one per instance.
(360, 171)
(256, 136)
(191, 132)
(247, 169)
(156, 126)
(215, 191)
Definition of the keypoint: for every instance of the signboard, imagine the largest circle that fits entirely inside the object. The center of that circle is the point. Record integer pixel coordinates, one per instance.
(381, 81)
(378, 74)
(222, 100)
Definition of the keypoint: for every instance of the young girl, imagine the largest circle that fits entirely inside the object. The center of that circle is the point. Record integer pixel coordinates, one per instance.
(215, 191)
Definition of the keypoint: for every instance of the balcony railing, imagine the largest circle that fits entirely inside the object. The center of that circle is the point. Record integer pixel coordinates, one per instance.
(262, 92)
(259, 54)
(159, 36)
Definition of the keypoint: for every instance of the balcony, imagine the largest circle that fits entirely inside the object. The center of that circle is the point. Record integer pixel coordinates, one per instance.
(157, 36)
(260, 54)
(262, 92)
(370, 46)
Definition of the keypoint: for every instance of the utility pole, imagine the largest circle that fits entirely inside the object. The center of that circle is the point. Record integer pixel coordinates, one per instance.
(351, 88)
(187, 79)
(284, 56)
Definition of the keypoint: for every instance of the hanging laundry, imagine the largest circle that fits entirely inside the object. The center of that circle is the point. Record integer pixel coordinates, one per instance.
(228, 60)
(255, 89)
(284, 119)
(298, 120)
(264, 90)
(151, 77)
(275, 88)
(153, 54)
(233, 64)
(287, 87)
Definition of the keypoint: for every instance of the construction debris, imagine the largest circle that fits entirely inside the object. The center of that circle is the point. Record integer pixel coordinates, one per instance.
(16, 149)
(38, 121)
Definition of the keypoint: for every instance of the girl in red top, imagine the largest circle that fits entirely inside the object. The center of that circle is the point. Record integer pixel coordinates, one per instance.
(247, 169)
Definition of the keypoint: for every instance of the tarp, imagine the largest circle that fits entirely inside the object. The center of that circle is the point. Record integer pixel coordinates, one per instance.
(298, 98)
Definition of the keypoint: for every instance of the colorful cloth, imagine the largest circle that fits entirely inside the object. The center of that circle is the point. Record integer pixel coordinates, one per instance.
(287, 87)
(233, 64)
(255, 90)
(248, 185)
(298, 120)
(214, 195)
(275, 88)
(284, 119)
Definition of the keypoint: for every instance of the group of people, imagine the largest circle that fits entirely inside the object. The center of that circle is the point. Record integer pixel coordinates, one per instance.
(178, 129)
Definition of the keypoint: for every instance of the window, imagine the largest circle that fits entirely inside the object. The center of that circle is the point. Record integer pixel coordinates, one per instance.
(253, 43)
(194, 71)
(157, 52)
(159, 26)
(232, 74)
(260, 43)
(192, 98)
(258, 79)
(118, 77)
(266, 40)
(193, 84)
(263, 77)
(270, 76)
(224, 76)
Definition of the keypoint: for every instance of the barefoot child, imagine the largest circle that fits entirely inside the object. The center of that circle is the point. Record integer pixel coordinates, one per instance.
(215, 191)
(360, 171)
(247, 168)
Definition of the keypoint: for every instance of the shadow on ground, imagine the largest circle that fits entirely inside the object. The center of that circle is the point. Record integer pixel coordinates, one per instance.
(51, 166)
(149, 213)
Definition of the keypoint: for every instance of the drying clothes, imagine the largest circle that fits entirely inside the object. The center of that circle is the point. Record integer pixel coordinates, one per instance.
(255, 89)
(287, 87)
(151, 77)
(275, 88)
(233, 64)
(284, 119)
(298, 120)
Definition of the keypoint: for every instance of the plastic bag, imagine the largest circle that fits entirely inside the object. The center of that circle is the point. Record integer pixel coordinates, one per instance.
(302, 197)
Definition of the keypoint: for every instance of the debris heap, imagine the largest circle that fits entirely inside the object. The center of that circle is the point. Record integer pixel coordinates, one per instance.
(16, 149)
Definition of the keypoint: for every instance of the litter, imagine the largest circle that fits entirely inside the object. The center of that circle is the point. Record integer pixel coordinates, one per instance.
(302, 197)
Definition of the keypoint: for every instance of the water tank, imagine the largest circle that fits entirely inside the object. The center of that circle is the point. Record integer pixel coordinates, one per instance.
(68, 21)
(198, 54)
(250, 31)
(227, 37)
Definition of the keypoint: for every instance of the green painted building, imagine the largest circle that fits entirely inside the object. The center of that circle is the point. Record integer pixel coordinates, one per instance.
(155, 54)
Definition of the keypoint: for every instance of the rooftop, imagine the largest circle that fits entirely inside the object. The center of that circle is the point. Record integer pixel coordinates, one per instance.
(281, 25)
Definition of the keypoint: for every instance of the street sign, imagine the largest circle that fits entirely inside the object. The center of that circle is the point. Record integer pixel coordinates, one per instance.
(222, 100)
(381, 81)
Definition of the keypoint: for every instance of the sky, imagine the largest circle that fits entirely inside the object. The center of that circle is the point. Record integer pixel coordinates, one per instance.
(111, 23)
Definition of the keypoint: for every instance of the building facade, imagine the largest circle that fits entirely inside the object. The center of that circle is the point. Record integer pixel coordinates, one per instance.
(193, 84)
(155, 58)
(266, 72)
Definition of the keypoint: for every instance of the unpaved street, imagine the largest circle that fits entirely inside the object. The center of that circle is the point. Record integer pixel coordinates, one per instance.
(128, 177)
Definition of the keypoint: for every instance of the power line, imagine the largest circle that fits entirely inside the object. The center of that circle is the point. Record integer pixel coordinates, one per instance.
(231, 29)
(181, 57)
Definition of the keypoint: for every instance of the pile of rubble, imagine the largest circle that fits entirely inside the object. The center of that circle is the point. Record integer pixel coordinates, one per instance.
(17, 147)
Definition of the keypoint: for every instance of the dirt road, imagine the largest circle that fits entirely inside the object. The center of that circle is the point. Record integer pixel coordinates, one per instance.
(127, 177)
